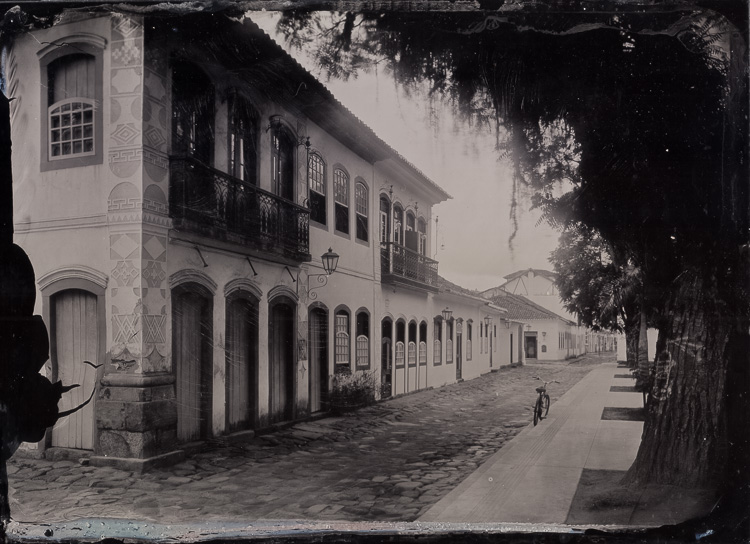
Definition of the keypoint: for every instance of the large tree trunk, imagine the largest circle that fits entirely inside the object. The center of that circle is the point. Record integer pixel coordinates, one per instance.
(632, 327)
(693, 424)
(643, 375)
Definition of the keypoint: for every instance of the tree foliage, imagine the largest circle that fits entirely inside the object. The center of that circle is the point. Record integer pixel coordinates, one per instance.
(632, 125)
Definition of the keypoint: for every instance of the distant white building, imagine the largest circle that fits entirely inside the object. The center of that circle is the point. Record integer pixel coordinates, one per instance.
(538, 286)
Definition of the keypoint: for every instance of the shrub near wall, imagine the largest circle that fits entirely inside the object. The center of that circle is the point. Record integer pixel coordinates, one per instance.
(352, 390)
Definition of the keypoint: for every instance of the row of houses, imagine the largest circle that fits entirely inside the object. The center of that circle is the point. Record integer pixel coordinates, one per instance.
(208, 222)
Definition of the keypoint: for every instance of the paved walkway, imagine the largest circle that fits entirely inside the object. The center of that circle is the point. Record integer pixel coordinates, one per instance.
(388, 462)
(534, 477)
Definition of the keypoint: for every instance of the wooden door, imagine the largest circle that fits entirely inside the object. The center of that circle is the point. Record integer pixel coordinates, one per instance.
(531, 347)
(74, 339)
(459, 368)
(318, 338)
(191, 352)
(242, 363)
(281, 369)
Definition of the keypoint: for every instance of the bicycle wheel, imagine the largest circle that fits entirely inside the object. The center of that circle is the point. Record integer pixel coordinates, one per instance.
(538, 411)
(546, 405)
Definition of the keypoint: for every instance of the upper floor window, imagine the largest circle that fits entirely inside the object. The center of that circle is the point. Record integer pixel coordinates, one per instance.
(282, 174)
(341, 197)
(361, 209)
(316, 173)
(192, 112)
(243, 140)
(422, 229)
(71, 111)
(71, 119)
(385, 209)
(398, 223)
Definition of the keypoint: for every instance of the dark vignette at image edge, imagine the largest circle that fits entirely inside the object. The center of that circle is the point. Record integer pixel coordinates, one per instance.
(724, 518)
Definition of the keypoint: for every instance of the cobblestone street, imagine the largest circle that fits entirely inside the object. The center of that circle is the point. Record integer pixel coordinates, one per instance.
(388, 462)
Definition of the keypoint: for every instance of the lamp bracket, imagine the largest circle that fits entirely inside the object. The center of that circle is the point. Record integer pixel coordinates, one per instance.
(321, 279)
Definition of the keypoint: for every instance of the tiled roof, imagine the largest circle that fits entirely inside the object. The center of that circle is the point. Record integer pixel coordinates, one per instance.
(522, 308)
(446, 286)
(361, 125)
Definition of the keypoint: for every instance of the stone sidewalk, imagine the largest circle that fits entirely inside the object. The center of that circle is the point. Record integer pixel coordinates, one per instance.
(535, 477)
(388, 462)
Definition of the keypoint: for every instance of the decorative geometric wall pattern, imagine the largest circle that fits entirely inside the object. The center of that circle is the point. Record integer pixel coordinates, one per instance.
(124, 273)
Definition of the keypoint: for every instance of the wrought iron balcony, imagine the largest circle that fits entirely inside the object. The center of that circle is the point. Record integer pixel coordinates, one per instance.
(209, 202)
(399, 264)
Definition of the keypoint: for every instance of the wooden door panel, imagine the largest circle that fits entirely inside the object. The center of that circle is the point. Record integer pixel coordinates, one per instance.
(75, 338)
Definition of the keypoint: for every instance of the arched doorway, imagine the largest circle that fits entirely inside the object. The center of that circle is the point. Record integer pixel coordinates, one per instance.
(386, 359)
(192, 347)
(281, 361)
(242, 361)
(74, 338)
(318, 339)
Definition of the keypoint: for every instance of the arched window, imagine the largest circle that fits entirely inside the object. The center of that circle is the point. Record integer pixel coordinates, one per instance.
(412, 344)
(342, 340)
(400, 343)
(316, 173)
(341, 197)
(361, 209)
(243, 140)
(192, 112)
(283, 164)
(437, 348)
(385, 224)
(422, 343)
(411, 238)
(71, 92)
(363, 341)
(422, 230)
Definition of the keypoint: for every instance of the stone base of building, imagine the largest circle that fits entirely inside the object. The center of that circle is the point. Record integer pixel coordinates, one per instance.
(139, 466)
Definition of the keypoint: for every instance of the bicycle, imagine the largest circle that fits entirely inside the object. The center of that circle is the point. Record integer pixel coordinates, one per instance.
(542, 402)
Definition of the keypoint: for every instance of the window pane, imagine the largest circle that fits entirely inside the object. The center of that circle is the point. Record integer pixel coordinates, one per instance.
(341, 187)
(317, 207)
(316, 172)
(342, 218)
(361, 228)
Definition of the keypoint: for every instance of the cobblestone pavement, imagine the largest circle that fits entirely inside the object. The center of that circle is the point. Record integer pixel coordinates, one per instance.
(388, 462)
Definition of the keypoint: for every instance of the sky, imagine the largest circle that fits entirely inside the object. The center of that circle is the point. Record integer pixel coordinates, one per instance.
(471, 242)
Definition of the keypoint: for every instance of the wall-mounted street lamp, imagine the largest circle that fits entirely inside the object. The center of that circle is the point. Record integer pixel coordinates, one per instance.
(274, 122)
(488, 320)
(330, 262)
(447, 314)
(507, 323)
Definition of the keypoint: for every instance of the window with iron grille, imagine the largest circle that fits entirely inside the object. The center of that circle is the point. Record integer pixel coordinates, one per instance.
(192, 112)
(342, 338)
(360, 203)
(422, 228)
(341, 198)
(316, 173)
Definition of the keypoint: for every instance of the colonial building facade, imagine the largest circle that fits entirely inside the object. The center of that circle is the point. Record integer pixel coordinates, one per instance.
(551, 332)
(181, 186)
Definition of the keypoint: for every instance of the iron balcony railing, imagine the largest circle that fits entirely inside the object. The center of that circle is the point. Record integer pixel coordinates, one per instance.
(210, 202)
(400, 263)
